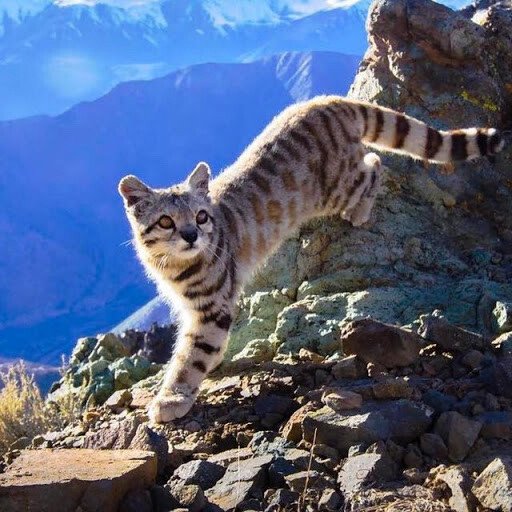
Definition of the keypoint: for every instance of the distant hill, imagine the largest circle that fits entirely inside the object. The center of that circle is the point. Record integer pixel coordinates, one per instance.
(67, 271)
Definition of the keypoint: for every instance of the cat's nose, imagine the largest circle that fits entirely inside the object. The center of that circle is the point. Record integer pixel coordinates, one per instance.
(189, 234)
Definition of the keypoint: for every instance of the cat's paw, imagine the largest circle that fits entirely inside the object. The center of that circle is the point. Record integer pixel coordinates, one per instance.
(165, 408)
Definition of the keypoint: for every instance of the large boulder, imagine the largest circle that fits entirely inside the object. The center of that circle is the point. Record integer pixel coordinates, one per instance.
(70, 480)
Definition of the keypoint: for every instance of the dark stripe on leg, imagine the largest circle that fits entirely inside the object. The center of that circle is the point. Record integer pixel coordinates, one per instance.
(207, 348)
(328, 127)
(199, 365)
(402, 128)
(434, 141)
(288, 147)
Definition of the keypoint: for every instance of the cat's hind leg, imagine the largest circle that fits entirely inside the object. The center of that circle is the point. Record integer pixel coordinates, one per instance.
(364, 190)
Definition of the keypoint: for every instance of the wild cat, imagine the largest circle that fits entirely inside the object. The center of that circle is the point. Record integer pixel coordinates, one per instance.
(202, 239)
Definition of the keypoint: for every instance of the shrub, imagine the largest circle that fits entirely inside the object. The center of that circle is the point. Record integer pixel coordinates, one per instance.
(23, 411)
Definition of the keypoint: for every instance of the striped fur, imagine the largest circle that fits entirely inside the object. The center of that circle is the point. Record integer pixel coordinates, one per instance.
(202, 239)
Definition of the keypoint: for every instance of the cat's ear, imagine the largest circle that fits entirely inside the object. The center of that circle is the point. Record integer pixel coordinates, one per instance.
(132, 190)
(199, 178)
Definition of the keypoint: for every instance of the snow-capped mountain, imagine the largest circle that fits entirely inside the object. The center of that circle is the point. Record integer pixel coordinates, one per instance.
(59, 53)
(67, 269)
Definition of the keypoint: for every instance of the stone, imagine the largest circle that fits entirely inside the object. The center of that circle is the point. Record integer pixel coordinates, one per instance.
(198, 472)
(402, 421)
(190, 497)
(342, 400)
(473, 359)
(497, 377)
(157, 343)
(502, 317)
(240, 482)
(255, 352)
(392, 388)
(280, 499)
(147, 439)
(228, 457)
(503, 344)
(292, 431)
(303, 480)
(350, 367)
(162, 499)
(413, 457)
(364, 470)
(433, 445)
(116, 435)
(493, 487)
(459, 483)
(309, 355)
(448, 336)
(137, 501)
(119, 399)
(376, 342)
(64, 480)
(440, 402)
(496, 424)
(275, 404)
(458, 432)
(330, 500)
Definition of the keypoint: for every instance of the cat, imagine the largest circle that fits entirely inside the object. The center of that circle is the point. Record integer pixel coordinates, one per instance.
(200, 240)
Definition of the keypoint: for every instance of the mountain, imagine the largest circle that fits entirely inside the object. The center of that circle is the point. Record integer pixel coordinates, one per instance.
(67, 271)
(56, 54)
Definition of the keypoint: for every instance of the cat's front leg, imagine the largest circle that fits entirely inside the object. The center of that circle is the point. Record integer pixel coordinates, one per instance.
(198, 350)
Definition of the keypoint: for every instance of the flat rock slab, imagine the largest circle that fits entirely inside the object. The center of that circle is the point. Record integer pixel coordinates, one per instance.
(63, 480)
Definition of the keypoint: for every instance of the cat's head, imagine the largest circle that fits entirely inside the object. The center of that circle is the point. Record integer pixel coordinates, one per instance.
(172, 224)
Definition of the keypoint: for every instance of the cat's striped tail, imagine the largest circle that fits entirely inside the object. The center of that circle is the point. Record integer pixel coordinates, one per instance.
(399, 133)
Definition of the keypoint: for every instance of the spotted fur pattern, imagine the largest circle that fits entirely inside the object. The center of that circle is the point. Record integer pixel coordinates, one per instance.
(202, 239)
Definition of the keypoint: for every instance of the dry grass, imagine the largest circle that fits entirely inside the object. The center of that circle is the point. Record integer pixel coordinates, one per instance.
(23, 411)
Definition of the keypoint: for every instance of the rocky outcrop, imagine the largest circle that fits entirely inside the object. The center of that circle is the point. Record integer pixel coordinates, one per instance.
(435, 240)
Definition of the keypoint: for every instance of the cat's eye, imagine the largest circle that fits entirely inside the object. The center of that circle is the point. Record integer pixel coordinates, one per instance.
(202, 217)
(166, 222)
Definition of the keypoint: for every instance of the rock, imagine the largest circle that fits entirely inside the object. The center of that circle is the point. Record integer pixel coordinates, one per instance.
(458, 432)
(433, 445)
(473, 359)
(137, 501)
(117, 435)
(440, 402)
(191, 497)
(275, 404)
(303, 480)
(448, 336)
(498, 377)
(493, 487)
(503, 344)
(254, 352)
(158, 343)
(392, 388)
(141, 398)
(401, 420)
(280, 499)
(330, 500)
(364, 470)
(162, 499)
(240, 482)
(64, 480)
(147, 439)
(502, 317)
(350, 367)
(496, 424)
(119, 399)
(413, 457)
(459, 482)
(198, 472)
(226, 458)
(292, 431)
(376, 342)
(342, 400)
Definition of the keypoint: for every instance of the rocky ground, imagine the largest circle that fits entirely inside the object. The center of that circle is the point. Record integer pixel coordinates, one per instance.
(403, 420)
(320, 405)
